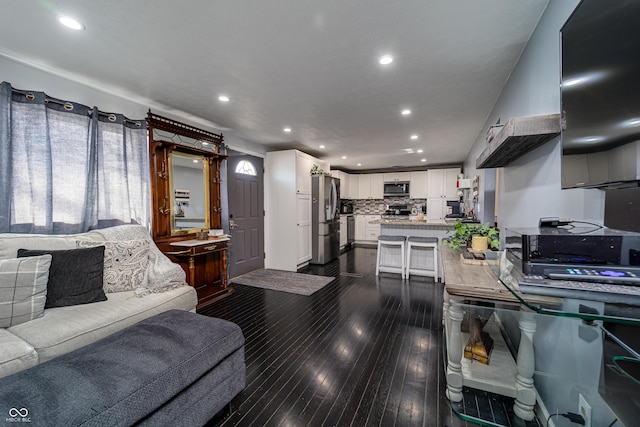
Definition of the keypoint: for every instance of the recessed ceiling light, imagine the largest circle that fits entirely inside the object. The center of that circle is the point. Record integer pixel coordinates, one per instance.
(223, 98)
(322, 146)
(287, 130)
(195, 161)
(419, 151)
(359, 164)
(423, 160)
(406, 112)
(385, 59)
(414, 136)
(344, 157)
(70, 23)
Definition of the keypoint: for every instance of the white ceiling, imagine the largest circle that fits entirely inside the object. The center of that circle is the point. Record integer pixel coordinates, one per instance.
(311, 66)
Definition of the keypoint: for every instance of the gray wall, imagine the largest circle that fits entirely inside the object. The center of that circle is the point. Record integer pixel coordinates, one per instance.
(530, 187)
(67, 87)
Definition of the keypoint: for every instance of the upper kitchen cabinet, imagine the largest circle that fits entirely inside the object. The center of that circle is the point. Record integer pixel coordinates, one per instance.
(352, 188)
(442, 183)
(397, 176)
(303, 165)
(419, 185)
(345, 184)
(370, 186)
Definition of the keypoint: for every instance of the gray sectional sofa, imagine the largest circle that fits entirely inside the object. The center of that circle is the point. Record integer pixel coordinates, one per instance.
(159, 288)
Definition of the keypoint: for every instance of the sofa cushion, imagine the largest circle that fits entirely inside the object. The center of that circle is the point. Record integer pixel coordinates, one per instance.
(129, 375)
(15, 354)
(11, 242)
(125, 263)
(75, 275)
(63, 329)
(23, 289)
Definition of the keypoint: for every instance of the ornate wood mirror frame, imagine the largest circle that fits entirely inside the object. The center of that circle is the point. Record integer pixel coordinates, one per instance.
(170, 140)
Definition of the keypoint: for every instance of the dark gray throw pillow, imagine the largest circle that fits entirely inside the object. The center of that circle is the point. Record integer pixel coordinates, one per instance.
(75, 275)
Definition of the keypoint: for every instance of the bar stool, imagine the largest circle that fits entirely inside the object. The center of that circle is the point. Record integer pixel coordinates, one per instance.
(384, 241)
(423, 242)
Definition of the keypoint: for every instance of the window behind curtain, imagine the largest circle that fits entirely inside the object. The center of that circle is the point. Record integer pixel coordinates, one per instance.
(68, 168)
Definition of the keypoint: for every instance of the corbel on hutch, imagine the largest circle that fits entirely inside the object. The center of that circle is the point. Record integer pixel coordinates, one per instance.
(182, 156)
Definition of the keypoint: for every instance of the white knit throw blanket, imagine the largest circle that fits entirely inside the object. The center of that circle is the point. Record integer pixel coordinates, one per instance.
(162, 274)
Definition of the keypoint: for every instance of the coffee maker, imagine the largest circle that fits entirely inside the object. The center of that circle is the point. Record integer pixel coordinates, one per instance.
(453, 209)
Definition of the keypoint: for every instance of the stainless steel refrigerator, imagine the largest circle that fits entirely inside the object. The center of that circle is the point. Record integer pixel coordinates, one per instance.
(325, 219)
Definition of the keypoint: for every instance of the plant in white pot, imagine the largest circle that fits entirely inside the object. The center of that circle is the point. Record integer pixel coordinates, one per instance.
(464, 233)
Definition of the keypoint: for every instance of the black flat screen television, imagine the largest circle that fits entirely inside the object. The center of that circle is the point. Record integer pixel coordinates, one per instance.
(600, 95)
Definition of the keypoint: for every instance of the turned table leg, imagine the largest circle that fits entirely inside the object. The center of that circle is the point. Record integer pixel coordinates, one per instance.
(192, 271)
(525, 392)
(454, 351)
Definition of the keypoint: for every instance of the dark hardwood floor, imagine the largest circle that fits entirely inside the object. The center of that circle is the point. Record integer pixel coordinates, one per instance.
(362, 351)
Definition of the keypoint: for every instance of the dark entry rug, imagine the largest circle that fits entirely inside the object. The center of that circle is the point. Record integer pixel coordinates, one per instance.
(285, 281)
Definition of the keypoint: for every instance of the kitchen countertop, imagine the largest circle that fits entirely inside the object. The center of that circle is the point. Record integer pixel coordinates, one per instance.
(412, 222)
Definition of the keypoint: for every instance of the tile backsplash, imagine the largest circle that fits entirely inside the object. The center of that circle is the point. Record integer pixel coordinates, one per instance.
(378, 206)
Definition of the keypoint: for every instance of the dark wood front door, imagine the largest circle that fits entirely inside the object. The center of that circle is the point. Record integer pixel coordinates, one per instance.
(246, 214)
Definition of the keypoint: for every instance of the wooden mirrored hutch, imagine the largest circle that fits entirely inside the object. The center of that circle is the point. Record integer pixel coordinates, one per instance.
(185, 165)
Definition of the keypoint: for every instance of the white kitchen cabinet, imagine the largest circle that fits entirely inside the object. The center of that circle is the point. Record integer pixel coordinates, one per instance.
(345, 183)
(352, 193)
(303, 165)
(418, 187)
(450, 189)
(343, 231)
(351, 186)
(303, 224)
(441, 187)
(436, 208)
(442, 183)
(377, 186)
(352, 189)
(372, 231)
(366, 232)
(370, 186)
(287, 209)
(397, 176)
(364, 186)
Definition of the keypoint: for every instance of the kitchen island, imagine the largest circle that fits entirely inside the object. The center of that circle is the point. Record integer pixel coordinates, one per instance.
(408, 228)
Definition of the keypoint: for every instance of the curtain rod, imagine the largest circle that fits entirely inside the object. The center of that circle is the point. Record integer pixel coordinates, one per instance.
(69, 106)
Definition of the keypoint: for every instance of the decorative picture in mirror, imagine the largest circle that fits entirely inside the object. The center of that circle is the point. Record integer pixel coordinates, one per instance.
(189, 193)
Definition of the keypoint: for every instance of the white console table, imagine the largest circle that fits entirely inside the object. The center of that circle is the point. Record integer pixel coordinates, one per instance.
(470, 286)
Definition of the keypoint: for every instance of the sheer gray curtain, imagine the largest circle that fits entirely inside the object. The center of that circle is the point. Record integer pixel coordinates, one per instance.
(67, 168)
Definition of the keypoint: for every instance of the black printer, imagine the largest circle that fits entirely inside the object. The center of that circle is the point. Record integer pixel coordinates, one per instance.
(534, 250)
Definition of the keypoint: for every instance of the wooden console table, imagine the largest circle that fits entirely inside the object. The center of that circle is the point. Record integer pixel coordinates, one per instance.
(205, 263)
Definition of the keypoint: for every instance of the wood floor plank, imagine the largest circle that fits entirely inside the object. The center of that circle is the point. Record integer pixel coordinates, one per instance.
(362, 351)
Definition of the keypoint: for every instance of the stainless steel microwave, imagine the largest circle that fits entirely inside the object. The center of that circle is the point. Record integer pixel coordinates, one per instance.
(396, 188)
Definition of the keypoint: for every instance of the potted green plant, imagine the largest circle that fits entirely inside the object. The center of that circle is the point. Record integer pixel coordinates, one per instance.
(463, 233)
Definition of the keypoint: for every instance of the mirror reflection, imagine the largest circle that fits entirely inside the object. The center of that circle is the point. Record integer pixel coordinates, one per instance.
(190, 193)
